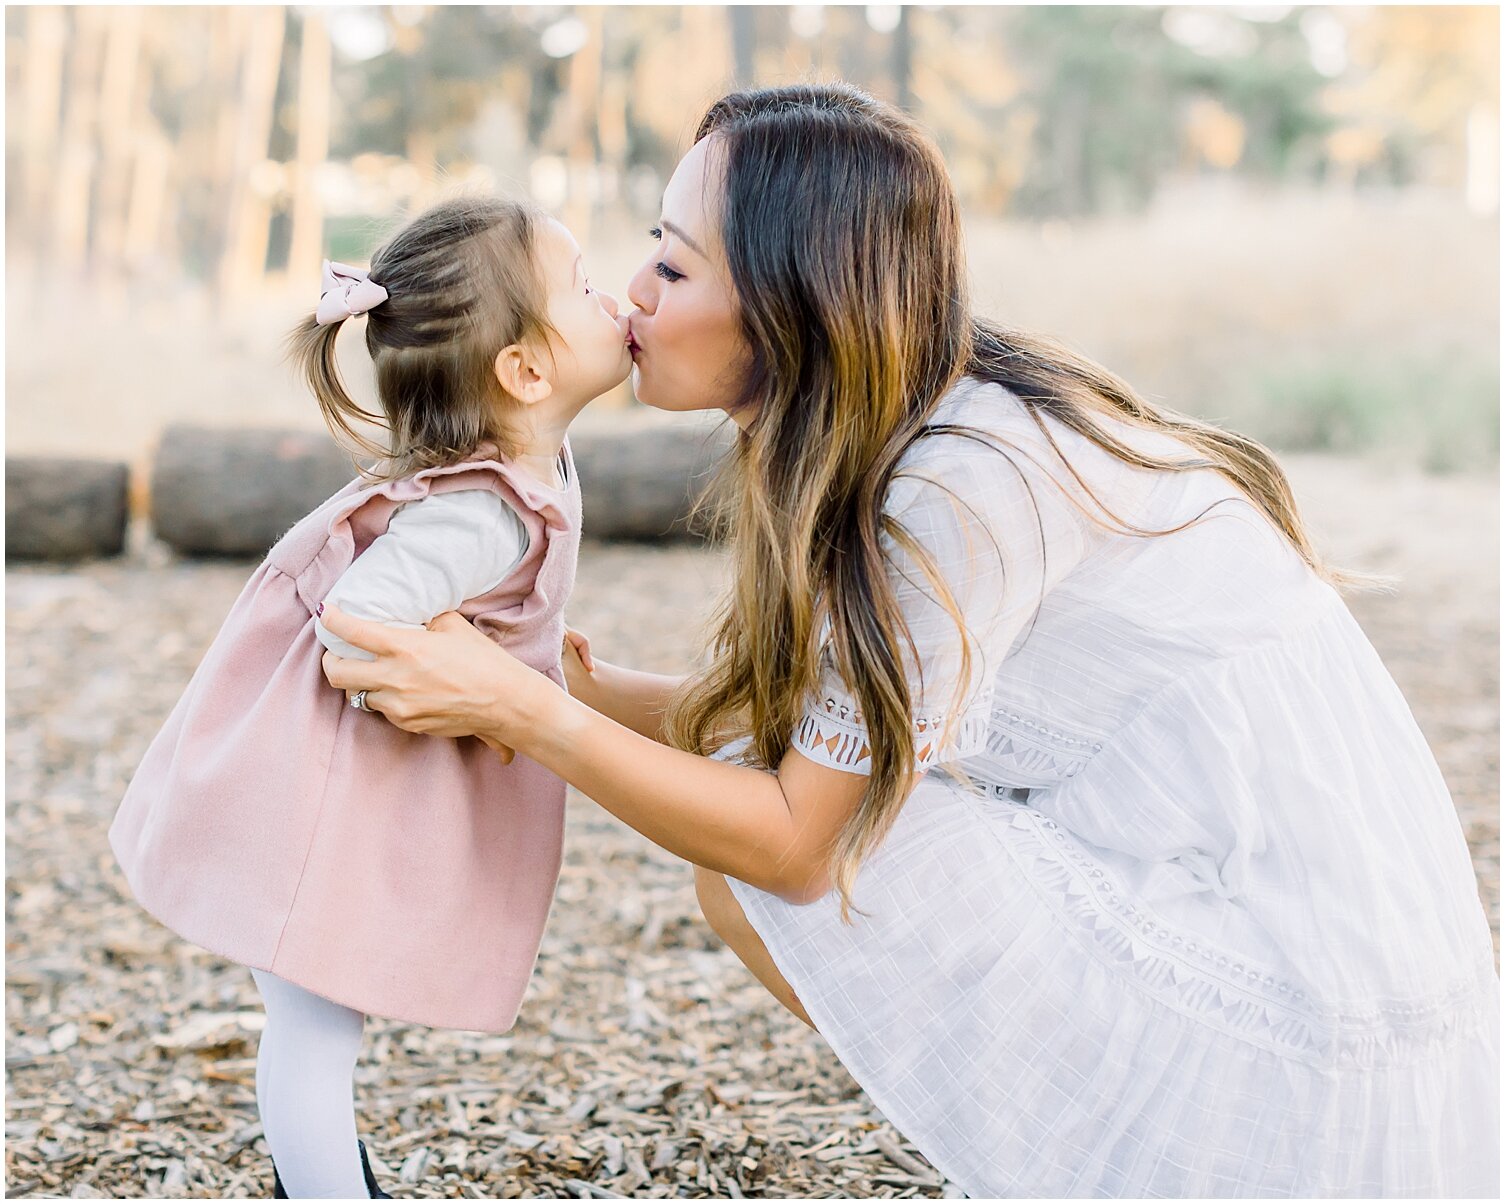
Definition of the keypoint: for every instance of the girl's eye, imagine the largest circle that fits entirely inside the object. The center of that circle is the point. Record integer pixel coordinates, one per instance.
(656, 233)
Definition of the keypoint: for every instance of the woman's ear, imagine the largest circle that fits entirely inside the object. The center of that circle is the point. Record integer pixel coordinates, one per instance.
(518, 371)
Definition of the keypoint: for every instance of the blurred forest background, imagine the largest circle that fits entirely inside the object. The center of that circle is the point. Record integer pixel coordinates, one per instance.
(1282, 218)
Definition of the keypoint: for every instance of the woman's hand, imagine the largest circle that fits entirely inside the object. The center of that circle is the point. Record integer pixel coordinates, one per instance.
(449, 680)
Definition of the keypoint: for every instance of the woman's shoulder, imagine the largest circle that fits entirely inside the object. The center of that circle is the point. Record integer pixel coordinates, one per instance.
(982, 441)
(976, 420)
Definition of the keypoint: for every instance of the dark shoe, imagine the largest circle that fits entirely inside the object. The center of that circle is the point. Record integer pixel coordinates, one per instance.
(371, 1184)
(375, 1191)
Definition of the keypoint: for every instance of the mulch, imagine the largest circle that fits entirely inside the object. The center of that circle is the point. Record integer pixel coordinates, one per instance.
(646, 1062)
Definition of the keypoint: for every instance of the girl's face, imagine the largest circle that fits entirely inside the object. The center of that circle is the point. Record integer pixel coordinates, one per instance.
(687, 348)
(590, 354)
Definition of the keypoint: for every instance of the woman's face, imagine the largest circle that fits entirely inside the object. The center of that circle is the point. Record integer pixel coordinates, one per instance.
(687, 347)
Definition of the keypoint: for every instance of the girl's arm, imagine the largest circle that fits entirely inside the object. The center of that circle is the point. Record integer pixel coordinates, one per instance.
(435, 553)
(772, 831)
(635, 699)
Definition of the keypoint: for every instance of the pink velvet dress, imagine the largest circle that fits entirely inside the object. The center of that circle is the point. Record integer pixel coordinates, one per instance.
(402, 875)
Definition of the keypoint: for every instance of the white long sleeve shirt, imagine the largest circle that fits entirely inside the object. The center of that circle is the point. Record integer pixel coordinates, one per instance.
(436, 553)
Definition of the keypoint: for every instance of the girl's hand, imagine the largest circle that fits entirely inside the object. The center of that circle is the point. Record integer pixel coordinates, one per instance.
(504, 753)
(449, 680)
(582, 646)
(579, 667)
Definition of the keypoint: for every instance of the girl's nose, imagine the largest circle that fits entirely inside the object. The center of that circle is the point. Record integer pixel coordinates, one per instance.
(608, 302)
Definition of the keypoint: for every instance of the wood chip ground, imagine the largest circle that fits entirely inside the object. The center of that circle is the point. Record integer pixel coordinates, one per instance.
(646, 1063)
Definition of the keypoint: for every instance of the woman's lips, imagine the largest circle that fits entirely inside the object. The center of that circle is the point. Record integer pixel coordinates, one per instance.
(632, 343)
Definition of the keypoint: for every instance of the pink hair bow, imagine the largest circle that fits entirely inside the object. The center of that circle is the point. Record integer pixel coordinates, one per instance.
(347, 292)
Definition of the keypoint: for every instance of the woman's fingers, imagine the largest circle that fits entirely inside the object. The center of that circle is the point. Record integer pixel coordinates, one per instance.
(450, 620)
(373, 637)
(449, 680)
(373, 700)
(349, 674)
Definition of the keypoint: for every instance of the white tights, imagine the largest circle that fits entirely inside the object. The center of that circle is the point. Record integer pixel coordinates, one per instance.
(304, 1089)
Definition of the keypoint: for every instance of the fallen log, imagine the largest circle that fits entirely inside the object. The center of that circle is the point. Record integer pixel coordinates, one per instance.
(218, 492)
(64, 509)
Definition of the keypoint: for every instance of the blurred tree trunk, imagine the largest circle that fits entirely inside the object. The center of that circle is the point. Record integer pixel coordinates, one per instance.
(231, 32)
(119, 136)
(418, 137)
(74, 187)
(744, 31)
(901, 61)
(250, 211)
(583, 96)
(612, 129)
(42, 90)
(146, 205)
(314, 68)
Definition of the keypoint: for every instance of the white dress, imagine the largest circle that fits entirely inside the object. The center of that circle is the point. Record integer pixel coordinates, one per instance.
(1203, 922)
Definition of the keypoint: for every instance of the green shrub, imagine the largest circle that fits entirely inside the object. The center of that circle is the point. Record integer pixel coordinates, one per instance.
(1439, 412)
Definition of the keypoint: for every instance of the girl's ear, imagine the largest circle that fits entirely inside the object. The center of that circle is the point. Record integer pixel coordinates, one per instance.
(517, 371)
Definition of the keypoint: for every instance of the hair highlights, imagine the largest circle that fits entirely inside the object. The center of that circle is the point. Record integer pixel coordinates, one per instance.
(844, 241)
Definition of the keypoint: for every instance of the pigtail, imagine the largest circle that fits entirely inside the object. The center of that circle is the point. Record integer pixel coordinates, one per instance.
(456, 284)
(310, 347)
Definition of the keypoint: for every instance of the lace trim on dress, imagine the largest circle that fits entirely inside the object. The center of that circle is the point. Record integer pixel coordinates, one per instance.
(831, 732)
(1211, 985)
(1039, 754)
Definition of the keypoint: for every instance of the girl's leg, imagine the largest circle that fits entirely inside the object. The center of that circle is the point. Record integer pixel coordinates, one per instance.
(728, 921)
(304, 1071)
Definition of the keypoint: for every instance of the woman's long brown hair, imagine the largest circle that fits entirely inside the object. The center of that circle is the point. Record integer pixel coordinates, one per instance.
(844, 241)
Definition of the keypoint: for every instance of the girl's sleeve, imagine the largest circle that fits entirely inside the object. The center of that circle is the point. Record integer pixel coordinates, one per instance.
(1000, 533)
(435, 553)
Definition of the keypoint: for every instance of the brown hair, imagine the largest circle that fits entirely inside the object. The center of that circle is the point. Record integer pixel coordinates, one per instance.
(462, 284)
(857, 321)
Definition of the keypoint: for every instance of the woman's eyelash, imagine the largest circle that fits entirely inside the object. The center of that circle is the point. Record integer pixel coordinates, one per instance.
(661, 268)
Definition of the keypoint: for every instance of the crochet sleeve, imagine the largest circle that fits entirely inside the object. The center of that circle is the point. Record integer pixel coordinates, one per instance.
(435, 554)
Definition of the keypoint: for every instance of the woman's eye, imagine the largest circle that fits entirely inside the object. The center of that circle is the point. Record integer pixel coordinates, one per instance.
(655, 232)
(668, 273)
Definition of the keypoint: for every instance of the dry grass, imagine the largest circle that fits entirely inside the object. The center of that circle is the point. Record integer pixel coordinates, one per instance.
(1286, 315)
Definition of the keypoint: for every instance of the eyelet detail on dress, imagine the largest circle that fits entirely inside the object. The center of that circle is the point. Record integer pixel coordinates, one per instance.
(1248, 1001)
(831, 731)
(1021, 753)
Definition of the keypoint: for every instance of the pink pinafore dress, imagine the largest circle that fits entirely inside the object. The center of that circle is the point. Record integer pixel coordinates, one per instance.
(402, 875)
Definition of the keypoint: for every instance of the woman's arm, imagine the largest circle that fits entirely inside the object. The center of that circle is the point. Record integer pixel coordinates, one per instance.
(772, 831)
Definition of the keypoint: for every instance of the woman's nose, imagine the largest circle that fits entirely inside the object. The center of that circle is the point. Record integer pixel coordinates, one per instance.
(640, 290)
(608, 302)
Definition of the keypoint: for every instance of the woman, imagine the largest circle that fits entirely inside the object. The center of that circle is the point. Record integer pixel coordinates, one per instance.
(1036, 763)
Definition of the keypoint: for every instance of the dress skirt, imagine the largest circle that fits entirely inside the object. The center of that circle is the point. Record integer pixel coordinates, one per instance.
(1008, 1005)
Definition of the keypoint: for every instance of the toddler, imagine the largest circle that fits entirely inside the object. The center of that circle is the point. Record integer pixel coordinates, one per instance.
(353, 867)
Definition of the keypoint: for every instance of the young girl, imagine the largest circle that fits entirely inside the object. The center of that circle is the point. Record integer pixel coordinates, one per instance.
(353, 867)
